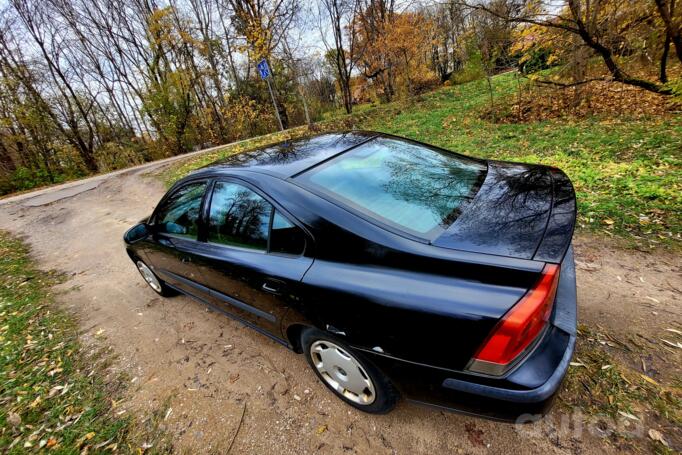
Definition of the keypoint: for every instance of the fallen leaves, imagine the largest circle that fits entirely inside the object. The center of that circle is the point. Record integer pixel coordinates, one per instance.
(608, 99)
(35, 402)
(475, 435)
(14, 419)
(657, 436)
(587, 266)
(84, 438)
(56, 389)
(602, 385)
(670, 343)
(55, 371)
(36, 338)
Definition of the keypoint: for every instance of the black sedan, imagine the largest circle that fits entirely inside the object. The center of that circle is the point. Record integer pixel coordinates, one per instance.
(396, 267)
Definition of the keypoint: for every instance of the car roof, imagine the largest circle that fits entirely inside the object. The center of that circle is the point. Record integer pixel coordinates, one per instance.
(290, 157)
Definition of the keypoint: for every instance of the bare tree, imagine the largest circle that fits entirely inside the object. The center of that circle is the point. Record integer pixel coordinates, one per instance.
(448, 49)
(343, 52)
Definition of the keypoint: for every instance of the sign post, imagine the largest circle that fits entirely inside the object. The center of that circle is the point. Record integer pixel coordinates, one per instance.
(264, 71)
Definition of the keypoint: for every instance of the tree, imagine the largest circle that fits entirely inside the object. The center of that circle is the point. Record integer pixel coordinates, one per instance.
(599, 25)
(372, 24)
(448, 50)
(343, 52)
(264, 24)
(49, 39)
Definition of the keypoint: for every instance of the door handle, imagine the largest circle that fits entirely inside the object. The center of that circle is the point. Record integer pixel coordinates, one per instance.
(269, 288)
(273, 286)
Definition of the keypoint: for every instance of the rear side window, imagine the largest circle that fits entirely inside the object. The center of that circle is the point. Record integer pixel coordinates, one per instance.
(285, 236)
(179, 214)
(412, 187)
(238, 217)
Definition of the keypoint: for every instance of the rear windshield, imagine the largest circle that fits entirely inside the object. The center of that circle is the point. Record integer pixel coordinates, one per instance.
(411, 187)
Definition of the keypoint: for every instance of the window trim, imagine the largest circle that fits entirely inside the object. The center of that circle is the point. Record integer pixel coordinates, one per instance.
(174, 189)
(205, 213)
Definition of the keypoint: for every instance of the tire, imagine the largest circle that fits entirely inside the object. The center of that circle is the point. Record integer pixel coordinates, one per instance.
(154, 282)
(345, 372)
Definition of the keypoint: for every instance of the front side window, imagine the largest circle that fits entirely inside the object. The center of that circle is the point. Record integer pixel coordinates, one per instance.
(179, 214)
(238, 217)
(415, 188)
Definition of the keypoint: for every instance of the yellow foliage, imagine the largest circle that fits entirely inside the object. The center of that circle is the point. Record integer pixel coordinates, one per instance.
(397, 49)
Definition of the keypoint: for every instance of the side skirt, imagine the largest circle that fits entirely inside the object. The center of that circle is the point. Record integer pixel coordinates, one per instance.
(225, 298)
(232, 316)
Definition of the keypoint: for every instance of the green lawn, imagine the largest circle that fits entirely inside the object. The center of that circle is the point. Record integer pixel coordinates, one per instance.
(52, 395)
(627, 171)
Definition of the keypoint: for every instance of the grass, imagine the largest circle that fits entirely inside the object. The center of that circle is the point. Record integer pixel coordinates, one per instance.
(53, 396)
(627, 171)
(600, 386)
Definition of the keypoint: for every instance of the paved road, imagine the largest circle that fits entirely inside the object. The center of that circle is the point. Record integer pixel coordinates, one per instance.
(55, 193)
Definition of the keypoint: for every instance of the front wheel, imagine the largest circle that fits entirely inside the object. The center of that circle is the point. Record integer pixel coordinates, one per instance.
(353, 379)
(153, 281)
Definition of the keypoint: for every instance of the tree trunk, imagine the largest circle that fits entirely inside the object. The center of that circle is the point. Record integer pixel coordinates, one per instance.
(673, 30)
(347, 97)
(663, 76)
(6, 161)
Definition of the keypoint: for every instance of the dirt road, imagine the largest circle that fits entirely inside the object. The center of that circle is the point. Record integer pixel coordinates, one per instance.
(218, 384)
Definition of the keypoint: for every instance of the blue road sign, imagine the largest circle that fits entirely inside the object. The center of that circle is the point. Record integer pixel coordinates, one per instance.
(263, 69)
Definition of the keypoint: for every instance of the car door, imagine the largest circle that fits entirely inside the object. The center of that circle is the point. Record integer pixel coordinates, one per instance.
(253, 255)
(175, 230)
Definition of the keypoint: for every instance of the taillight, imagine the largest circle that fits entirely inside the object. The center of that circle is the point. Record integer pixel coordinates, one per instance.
(519, 327)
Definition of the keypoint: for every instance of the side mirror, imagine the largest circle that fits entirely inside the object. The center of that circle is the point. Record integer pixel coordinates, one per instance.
(137, 232)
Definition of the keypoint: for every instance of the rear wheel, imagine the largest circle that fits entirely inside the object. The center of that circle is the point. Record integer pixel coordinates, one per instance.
(153, 281)
(352, 378)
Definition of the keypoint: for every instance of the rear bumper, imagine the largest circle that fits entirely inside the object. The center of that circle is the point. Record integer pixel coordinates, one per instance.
(536, 395)
(528, 389)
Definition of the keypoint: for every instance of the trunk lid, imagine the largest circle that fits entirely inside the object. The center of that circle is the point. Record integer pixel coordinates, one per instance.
(522, 211)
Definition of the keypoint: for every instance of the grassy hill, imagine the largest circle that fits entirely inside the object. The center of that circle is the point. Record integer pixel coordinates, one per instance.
(627, 169)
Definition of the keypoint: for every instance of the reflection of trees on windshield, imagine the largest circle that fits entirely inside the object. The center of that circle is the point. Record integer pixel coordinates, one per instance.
(238, 217)
(430, 179)
(291, 151)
